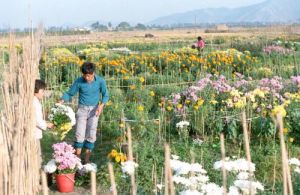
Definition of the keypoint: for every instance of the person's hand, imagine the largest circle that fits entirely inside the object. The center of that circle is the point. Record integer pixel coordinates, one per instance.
(50, 125)
(99, 109)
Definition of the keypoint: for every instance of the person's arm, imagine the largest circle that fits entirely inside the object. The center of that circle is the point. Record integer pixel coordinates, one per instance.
(67, 96)
(105, 98)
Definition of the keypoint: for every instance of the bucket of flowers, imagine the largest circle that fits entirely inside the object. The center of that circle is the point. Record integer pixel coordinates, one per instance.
(64, 165)
(63, 117)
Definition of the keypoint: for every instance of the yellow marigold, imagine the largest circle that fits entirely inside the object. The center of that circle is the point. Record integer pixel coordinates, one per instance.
(142, 79)
(152, 93)
(113, 153)
(66, 127)
(200, 102)
(132, 87)
(109, 103)
(140, 108)
(279, 110)
(169, 108)
(179, 106)
(196, 107)
(213, 102)
(118, 158)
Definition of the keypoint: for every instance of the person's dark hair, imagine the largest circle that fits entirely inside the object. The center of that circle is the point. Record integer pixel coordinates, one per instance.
(88, 68)
(199, 38)
(193, 46)
(39, 84)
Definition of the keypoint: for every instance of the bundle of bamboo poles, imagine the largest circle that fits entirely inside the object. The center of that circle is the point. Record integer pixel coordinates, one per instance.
(20, 162)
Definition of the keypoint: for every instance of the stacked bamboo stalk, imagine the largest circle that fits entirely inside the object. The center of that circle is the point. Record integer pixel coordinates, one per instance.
(20, 162)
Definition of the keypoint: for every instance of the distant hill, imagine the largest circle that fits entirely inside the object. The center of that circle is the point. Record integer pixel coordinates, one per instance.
(267, 12)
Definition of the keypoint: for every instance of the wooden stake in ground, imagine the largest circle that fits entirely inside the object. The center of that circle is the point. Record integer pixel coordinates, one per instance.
(169, 185)
(130, 158)
(44, 183)
(287, 181)
(223, 160)
(93, 183)
(112, 179)
(247, 145)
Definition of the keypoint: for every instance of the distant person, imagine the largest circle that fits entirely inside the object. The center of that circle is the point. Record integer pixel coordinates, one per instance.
(200, 44)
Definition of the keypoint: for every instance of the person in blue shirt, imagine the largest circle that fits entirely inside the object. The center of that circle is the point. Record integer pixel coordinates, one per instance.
(93, 95)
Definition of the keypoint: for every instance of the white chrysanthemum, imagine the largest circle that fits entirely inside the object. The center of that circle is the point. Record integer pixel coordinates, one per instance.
(190, 192)
(182, 124)
(246, 185)
(228, 165)
(182, 180)
(199, 179)
(160, 186)
(297, 170)
(198, 141)
(196, 167)
(243, 175)
(129, 167)
(294, 161)
(180, 167)
(90, 167)
(212, 189)
(175, 157)
(233, 191)
(50, 167)
(243, 165)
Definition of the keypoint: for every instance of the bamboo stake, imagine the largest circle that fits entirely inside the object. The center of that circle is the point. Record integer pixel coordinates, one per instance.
(93, 183)
(287, 185)
(130, 158)
(168, 172)
(247, 144)
(223, 160)
(112, 179)
(44, 183)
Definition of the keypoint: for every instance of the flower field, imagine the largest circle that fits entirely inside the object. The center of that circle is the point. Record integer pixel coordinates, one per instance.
(169, 93)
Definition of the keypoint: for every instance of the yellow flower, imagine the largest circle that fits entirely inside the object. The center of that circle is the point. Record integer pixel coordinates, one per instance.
(121, 125)
(196, 107)
(125, 77)
(200, 102)
(285, 130)
(213, 102)
(142, 79)
(132, 87)
(66, 127)
(179, 106)
(140, 108)
(117, 158)
(169, 108)
(291, 139)
(109, 103)
(279, 110)
(152, 93)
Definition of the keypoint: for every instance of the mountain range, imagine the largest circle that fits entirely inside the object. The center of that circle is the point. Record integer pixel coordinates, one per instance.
(269, 11)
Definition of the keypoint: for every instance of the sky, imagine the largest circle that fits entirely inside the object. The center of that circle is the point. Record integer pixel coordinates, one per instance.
(19, 13)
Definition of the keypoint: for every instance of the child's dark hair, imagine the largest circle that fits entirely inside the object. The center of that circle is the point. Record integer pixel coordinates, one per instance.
(39, 84)
(199, 38)
(88, 68)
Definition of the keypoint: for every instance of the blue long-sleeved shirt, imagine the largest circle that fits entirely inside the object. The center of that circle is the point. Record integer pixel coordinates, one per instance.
(89, 93)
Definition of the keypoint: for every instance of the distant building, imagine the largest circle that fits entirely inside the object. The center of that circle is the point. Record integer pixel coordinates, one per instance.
(220, 28)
